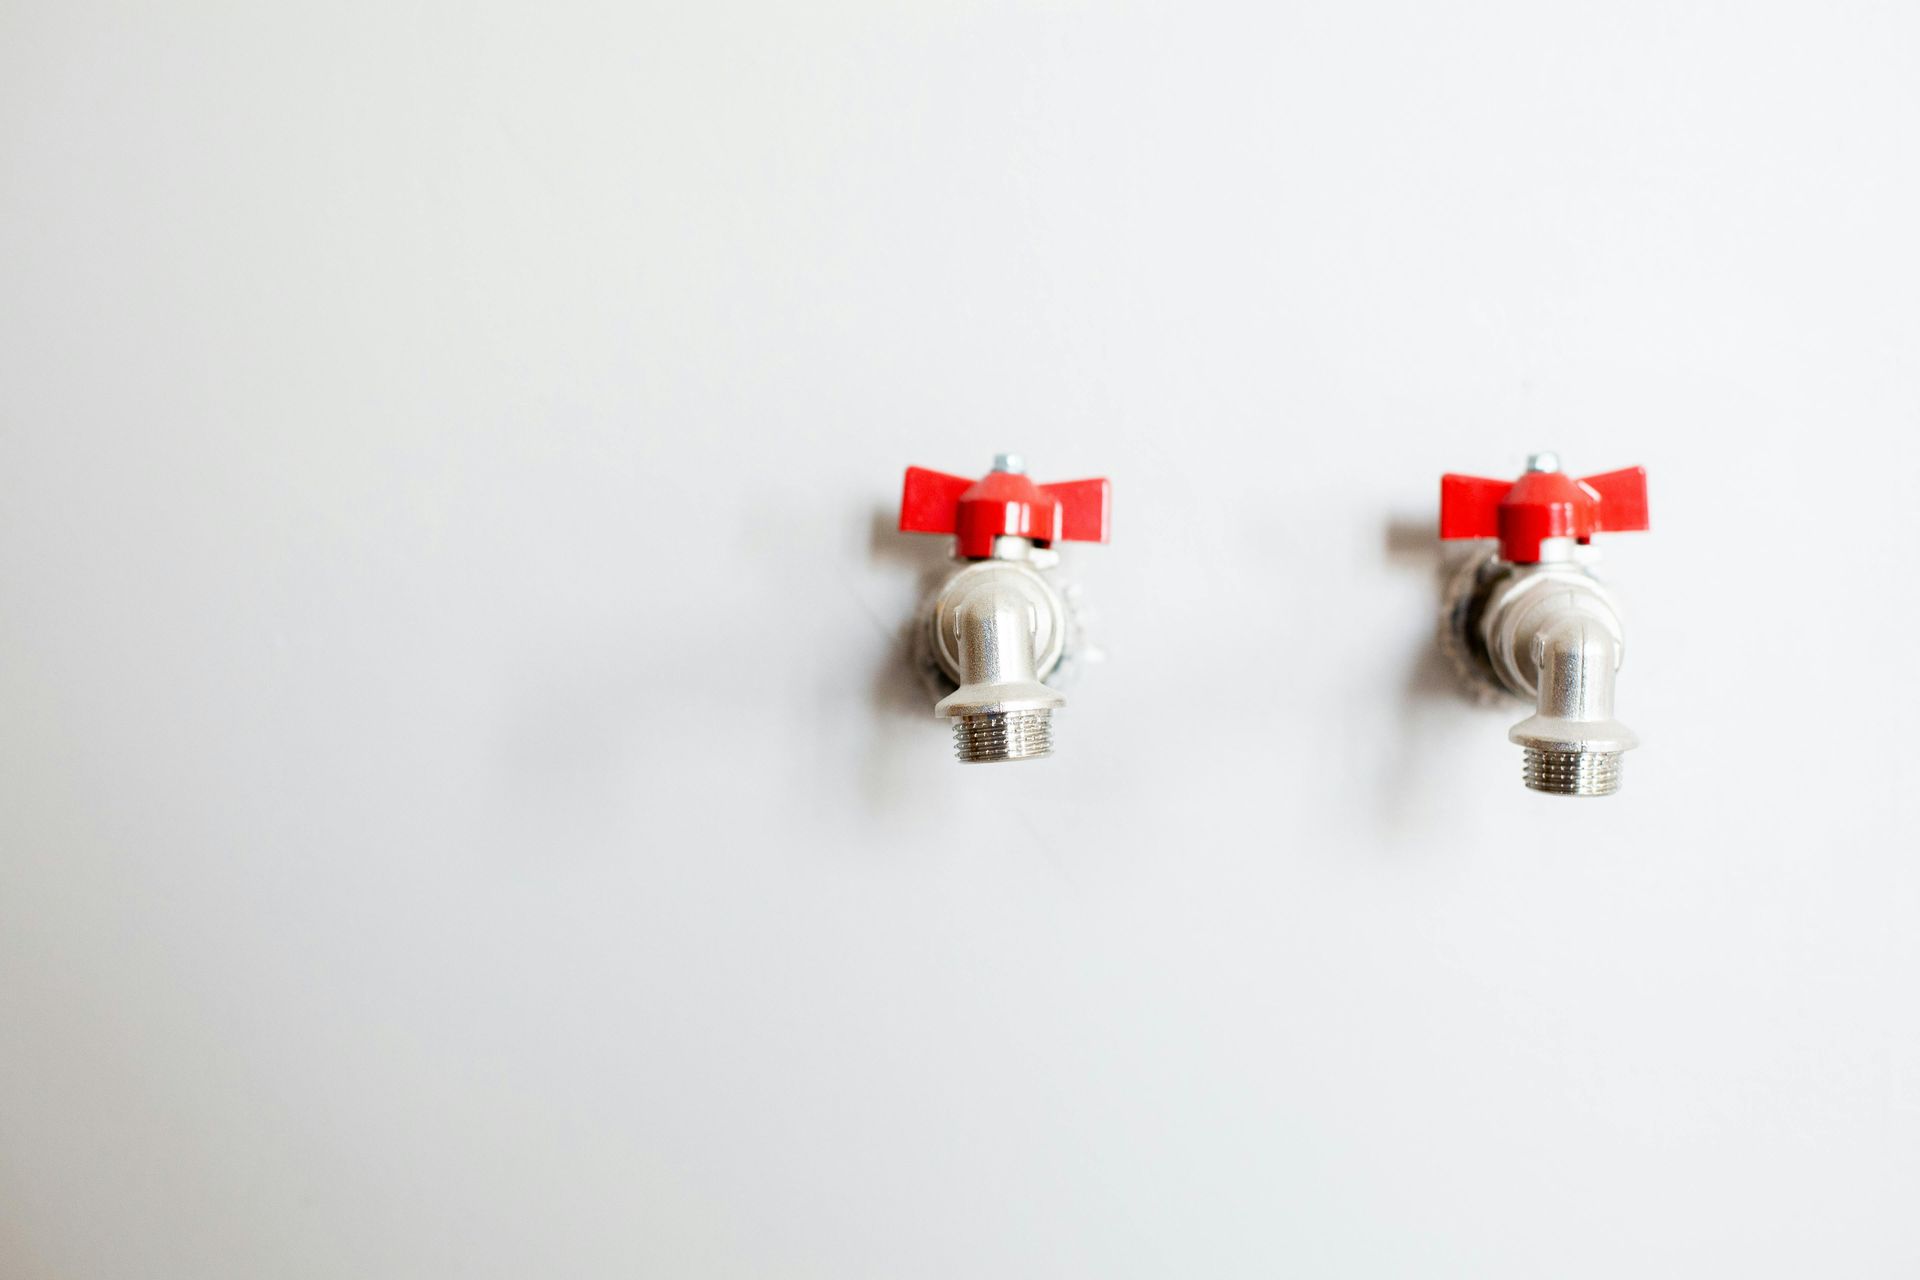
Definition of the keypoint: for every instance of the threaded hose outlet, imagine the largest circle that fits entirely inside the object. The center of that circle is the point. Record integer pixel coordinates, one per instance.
(1572, 773)
(993, 736)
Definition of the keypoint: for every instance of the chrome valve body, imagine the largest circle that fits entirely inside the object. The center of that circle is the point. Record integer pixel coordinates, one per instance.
(1548, 633)
(996, 629)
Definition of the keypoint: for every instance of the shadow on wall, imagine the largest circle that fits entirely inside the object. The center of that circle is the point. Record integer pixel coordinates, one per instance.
(1432, 691)
(904, 687)
(1412, 543)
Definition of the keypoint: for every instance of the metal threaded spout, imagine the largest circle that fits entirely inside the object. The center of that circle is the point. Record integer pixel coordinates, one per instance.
(1003, 735)
(1572, 773)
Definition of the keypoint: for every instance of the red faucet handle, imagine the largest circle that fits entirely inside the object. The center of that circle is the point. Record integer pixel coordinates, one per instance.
(1543, 503)
(1086, 508)
(1623, 500)
(1003, 504)
(930, 502)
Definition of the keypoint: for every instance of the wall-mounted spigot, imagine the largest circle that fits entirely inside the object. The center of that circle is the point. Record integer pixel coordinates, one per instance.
(998, 627)
(1530, 619)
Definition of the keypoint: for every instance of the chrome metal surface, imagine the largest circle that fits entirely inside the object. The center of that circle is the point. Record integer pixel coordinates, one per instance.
(1003, 735)
(965, 620)
(1549, 633)
(997, 629)
(1572, 773)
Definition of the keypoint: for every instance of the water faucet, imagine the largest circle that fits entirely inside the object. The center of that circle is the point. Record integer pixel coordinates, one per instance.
(997, 627)
(1531, 620)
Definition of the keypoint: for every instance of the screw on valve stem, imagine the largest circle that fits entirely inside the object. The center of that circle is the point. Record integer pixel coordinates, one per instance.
(997, 628)
(1531, 620)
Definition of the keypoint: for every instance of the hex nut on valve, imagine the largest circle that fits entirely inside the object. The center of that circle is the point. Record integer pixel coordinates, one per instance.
(998, 627)
(1532, 621)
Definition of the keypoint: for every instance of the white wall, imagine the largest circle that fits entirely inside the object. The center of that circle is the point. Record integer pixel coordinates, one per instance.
(460, 810)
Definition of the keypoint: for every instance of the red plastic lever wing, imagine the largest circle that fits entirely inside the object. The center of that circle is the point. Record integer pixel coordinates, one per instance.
(1086, 508)
(1470, 506)
(1623, 500)
(930, 501)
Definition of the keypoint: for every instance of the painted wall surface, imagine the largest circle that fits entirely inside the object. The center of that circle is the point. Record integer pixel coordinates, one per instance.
(462, 810)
